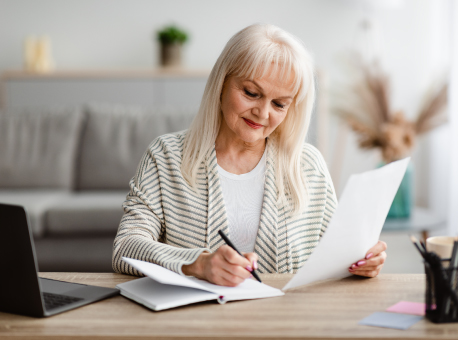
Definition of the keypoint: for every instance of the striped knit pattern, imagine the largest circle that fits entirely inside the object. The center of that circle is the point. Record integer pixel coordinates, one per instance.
(168, 223)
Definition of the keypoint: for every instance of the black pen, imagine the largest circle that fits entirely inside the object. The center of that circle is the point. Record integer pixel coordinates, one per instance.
(420, 249)
(229, 243)
(423, 245)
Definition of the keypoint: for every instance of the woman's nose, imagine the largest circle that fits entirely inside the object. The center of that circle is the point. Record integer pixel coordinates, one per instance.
(261, 110)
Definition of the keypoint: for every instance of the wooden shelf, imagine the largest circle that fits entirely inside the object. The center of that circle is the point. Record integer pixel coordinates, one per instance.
(122, 74)
(137, 87)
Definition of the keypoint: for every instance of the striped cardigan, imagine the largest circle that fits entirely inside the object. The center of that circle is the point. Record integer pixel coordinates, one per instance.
(168, 223)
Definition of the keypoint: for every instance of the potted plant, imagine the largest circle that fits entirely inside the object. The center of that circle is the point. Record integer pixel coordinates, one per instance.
(366, 107)
(171, 39)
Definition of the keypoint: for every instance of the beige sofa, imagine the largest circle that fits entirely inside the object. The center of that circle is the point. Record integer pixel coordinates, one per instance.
(70, 168)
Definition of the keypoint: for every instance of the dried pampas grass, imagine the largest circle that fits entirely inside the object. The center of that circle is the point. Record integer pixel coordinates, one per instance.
(365, 106)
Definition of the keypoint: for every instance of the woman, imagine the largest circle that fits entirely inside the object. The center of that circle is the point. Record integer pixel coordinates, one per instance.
(243, 168)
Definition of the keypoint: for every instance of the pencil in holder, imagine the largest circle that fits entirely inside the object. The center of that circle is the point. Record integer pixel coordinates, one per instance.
(441, 292)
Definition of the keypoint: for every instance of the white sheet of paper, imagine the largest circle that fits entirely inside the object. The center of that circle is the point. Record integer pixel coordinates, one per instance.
(355, 226)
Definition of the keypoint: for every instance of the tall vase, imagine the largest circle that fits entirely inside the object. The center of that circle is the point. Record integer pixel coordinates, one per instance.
(403, 201)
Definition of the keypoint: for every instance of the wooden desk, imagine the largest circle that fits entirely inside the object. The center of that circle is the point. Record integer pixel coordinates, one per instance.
(325, 310)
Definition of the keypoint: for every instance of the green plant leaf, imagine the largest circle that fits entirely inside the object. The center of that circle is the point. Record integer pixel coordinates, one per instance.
(172, 34)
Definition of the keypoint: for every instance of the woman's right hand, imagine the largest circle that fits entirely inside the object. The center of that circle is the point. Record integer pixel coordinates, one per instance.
(225, 267)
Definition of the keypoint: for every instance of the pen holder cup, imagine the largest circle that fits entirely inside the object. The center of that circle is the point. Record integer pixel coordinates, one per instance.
(441, 293)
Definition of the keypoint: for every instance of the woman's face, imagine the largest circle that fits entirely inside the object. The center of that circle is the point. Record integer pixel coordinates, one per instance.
(252, 109)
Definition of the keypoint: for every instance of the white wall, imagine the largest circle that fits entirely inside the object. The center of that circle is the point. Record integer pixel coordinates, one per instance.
(453, 178)
(117, 34)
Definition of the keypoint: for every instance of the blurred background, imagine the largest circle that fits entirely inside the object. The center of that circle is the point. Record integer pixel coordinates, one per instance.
(87, 85)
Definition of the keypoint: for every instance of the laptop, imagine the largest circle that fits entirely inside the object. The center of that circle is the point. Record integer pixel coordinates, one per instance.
(22, 291)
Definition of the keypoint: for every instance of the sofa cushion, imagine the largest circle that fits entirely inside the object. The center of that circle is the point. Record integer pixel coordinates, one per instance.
(36, 203)
(38, 147)
(91, 212)
(115, 139)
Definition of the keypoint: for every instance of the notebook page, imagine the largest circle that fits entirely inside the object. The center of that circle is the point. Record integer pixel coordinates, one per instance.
(249, 289)
(158, 296)
(162, 275)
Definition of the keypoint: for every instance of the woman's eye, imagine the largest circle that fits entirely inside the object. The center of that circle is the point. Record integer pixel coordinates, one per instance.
(280, 106)
(250, 94)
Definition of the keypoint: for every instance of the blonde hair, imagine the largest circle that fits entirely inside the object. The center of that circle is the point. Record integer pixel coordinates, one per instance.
(251, 53)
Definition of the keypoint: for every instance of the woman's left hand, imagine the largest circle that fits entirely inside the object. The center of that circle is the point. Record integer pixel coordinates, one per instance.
(373, 263)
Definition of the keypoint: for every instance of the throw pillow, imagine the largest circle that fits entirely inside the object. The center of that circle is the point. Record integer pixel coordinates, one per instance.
(115, 139)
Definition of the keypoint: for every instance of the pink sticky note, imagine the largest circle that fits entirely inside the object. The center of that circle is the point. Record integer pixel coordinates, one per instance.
(405, 307)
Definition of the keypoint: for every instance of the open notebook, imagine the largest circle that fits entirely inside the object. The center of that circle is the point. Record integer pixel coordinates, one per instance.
(162, 288)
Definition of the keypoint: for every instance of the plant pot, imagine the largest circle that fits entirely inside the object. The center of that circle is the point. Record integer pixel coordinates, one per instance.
(403, 201)
(171, 55)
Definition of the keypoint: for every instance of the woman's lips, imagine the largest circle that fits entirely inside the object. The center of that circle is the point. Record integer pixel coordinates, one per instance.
(252, 124)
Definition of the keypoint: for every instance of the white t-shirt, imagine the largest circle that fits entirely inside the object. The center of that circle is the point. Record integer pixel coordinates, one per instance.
(243, 197)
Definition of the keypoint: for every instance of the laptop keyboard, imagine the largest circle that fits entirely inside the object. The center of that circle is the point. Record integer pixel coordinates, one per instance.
(58, 300)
